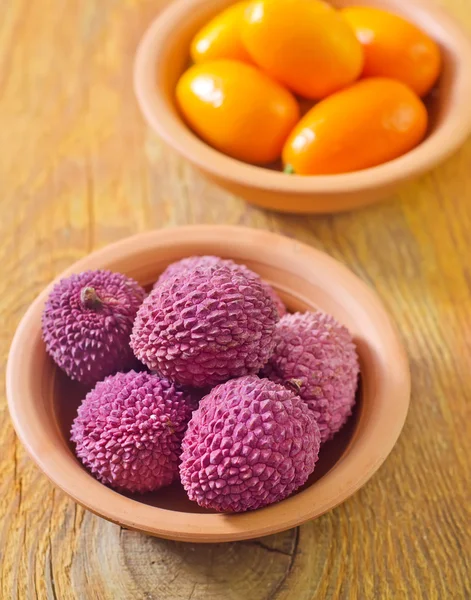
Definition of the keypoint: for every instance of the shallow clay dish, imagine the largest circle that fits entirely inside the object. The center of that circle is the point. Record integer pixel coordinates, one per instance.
(163, 56)
(43, 401)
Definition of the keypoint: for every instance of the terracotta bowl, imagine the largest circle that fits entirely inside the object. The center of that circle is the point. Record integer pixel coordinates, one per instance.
(163, 56)
(43, 401)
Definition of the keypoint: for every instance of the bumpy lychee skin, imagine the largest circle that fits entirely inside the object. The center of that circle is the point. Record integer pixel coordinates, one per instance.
(316, 356)
(205, 326)
(208, 261)
(87, 322)
(250, 443)
(128, 431)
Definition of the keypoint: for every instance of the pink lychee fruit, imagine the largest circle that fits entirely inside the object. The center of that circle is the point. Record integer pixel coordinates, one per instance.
(128, 431)
(316, 356)
(206, 325)
(250, 443)
(87, 322)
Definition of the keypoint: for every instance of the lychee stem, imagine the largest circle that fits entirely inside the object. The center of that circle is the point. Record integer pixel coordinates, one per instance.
(89, 298)
(295, 384)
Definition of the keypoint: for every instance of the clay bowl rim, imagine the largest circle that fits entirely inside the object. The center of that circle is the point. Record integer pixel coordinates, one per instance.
(437, 146)
(388, 380)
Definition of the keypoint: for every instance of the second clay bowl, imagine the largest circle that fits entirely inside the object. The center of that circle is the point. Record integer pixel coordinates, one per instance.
(163, 55)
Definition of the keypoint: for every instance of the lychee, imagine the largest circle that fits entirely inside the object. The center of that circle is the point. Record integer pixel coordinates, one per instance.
(250, 443)
(208, 261)
(206, 325)
(87, 322)
(316, 356)
(128, 431)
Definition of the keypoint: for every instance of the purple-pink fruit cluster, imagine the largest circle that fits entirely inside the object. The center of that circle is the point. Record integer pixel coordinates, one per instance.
(237, 398)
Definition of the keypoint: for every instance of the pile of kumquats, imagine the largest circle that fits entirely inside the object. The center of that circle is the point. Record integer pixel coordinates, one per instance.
(301, 85)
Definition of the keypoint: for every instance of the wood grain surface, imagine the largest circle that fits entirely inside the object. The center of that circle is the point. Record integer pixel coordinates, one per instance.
(79, 169)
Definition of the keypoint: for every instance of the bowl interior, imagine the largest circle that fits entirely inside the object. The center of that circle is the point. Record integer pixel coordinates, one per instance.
(43, 401)
(173, 56)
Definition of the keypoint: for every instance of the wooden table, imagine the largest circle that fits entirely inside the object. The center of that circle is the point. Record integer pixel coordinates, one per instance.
(79, 169)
